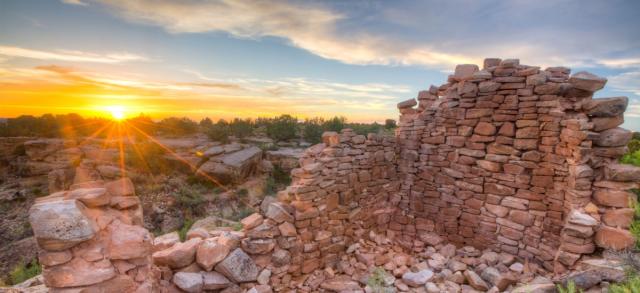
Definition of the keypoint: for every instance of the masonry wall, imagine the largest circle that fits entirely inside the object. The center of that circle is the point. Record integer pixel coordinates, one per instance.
(505, 157)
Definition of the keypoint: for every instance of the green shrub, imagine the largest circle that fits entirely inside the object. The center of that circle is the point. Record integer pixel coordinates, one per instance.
(571, 288)
(219, 131)
(270, 186)
(25, 271)
(280, 176)
(189, 198)
(376, 281)
(177, 127)
(631, 285)
(335, 124)
(242, 193)
(390, 124)
(188, 222)
(313, 130)
(632, 158)
(147, 156)
(241, 128)
(282, 128)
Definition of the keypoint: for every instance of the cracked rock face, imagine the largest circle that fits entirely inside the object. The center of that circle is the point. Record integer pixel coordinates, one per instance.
(59, 225)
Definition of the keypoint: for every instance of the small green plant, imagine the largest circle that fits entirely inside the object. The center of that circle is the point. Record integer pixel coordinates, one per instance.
(237, 226)
(189, 198)
(635, 225)
(25, 271)
(376, 281)
(631, 285)
(570, 288)
(270, 186)
(185, 228)
(281, 176)
(242, 193)
(242, 213)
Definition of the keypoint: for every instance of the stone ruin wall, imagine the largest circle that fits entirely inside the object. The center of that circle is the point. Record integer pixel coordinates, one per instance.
(518, 159)
(510, 157)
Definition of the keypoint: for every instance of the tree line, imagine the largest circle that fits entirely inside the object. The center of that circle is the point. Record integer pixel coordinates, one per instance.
(280, 128)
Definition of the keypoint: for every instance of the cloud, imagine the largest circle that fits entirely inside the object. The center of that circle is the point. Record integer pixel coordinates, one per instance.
(72, 56)
(433, 34)
(310, 27)
(626, 82)
(74, 2)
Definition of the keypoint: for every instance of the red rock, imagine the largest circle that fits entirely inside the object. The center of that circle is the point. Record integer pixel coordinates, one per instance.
(210, 253)
(606, 107)
(128, 241)
(252, 221)
(78, 272)
(179, 255)
(613, 198)
(613, 238)
(484, 128)
(620, 218)
(586, 81)
(120, 187)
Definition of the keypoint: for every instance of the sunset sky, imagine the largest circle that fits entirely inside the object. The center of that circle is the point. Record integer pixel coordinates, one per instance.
(226, 58)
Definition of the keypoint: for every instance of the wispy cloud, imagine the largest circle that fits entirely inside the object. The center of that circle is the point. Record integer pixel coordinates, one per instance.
(74, 2)
(626, 82)
(69, 55)
(434, 38)
(310, 27)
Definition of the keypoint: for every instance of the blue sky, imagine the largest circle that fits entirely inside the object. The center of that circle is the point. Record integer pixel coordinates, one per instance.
(253, 58)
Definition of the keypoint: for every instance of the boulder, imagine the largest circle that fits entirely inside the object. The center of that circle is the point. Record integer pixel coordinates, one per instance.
(278, 212)
(238, 267)
(210, 253)
(128, 241)
(179, 255)
(587, 81)
(410, 103)
(165, 241)
(60, 224)
(91, 197)
(340, 284)
(464, 71)
(214, 281)
(252, 221)
(120, 187)
(233, 167)
(606, 107)
(475, 281)
(417, 279)
(78, 272)
(189, 282)
(498, 279)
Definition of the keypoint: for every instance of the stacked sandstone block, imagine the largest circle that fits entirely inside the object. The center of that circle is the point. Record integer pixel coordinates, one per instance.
(91, 239)
(338, 194)
(508, 157)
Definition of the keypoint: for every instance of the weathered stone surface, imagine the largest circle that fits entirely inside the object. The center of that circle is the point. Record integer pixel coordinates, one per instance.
(128, 241)
(417, 279)
(165, 241)
(613, 238)
(622, 172)
(179, 255)
(78, 272)
(214, 281)
(91, 197)
(62, 224)
(210, 253)
(620, 218)
(475, 281)
(613, 198)
(120, 187)
(238, 267)
(407, 104)
(587, 81)
(465, 71)
(278, 212)
(614, 137)
(252, 221)
(189, 282)
(498, 279)
(606, 107)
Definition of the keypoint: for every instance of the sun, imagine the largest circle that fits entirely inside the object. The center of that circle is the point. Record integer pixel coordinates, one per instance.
(117, 112)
